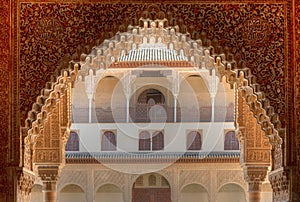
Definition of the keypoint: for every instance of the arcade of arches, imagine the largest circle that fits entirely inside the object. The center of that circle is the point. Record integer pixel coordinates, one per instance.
(51, 51)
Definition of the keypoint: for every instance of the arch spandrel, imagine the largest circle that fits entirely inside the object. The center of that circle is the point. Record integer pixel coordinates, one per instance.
(47, 131)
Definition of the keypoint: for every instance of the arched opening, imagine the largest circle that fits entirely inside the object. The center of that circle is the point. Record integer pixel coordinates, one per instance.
(194, 99)
(151, 187)
(224, 102)
(231, 142)
(109, 101)
(36, 193)
(72, 193)
(144, 141)
(193, 193)
(194, 141)
(73, 142)
(151, 96)
(109, 193)
(153, 141)
(151, 104)
(80, 103)
(108, 141)
(231, 192)
(157, 141)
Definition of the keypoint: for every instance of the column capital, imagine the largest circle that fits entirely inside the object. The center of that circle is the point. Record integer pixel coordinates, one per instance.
(90, 95)
(255, 176)
(48, 173)
(280, 184)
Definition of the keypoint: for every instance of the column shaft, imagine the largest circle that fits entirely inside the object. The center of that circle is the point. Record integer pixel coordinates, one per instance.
(127, 109)
(90, 109)
(212, 109)
(254, 196)
(49, 191)
(175, 109)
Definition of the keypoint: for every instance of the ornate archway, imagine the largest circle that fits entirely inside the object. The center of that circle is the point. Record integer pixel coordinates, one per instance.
(48, 123)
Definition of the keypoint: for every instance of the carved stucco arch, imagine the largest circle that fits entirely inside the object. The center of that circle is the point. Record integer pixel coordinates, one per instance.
(55, 99)
(234, 182)
(162, 173)
(119, 186)
(197, 183)
(72, 183)
(73, 178)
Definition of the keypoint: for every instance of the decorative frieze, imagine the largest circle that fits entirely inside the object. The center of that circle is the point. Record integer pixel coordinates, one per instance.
(48, 173)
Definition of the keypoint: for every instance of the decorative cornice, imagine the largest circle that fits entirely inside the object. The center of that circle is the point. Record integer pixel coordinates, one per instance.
(150, 157)
(48, 173)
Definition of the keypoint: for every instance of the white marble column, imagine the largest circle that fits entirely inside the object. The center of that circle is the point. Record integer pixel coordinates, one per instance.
(212, 97)
(127, 108)
(90, 98)
(126, 82)
(175, 108)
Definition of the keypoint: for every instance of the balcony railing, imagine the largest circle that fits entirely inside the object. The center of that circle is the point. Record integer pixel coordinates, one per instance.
(153, 113)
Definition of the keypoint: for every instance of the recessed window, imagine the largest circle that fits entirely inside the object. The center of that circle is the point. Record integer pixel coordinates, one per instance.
(231, 142)
(144, 141)
(108, 142)
(154, 141)
(194, 141)
(157, 141)
(73, 142)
